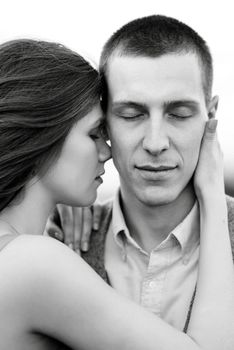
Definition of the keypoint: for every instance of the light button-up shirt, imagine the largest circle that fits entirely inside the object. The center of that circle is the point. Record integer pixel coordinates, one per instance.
(162, 281)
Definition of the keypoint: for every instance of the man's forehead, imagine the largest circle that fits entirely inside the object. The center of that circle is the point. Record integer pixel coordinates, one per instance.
(118, 60)
(127, 69)
(167, 77)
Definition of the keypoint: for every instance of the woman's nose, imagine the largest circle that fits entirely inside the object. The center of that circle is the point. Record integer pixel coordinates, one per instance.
(104, 151)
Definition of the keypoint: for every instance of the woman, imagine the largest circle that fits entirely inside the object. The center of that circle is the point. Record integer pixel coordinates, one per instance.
(52, 151)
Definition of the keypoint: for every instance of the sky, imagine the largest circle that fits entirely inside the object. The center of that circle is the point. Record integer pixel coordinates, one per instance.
(84, 26)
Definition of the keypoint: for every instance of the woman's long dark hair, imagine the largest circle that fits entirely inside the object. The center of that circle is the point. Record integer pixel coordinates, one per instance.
(44, 89)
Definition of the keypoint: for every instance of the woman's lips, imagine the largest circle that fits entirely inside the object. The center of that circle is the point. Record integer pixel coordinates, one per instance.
(98, 178)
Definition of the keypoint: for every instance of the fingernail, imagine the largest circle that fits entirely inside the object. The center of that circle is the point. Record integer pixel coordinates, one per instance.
(77, 251)
(70, 245)
(58, 236)
(95, 226)
(85, 247)
(212, 124)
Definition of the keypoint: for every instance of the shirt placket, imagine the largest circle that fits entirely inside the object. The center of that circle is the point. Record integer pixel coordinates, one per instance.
(154, 281)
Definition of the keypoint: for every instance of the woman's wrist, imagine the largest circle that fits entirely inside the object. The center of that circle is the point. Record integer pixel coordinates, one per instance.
(212, 202)
(210, 192)
(213, 208)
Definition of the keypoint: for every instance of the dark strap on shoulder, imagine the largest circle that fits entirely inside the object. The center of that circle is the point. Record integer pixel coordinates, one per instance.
(189, 311)
(7, 238)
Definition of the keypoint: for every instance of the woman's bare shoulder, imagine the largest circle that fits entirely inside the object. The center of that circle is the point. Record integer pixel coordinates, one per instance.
(51, 282)
(31, 267)
(23, 243)
(29, 259)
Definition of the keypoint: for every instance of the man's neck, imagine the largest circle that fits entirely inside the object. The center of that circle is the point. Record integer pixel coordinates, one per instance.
(150, 225)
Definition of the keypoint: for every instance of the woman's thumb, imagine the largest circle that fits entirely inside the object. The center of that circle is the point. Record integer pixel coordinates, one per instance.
(211, 126)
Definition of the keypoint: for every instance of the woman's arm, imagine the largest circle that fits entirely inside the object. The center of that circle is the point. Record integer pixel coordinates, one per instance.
(50, 290)
(212, 319)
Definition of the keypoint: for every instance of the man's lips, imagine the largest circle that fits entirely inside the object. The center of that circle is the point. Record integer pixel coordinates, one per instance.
(154, 173)
(156, 168)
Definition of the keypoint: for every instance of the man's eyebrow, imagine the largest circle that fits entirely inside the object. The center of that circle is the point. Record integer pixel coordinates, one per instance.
(194, 105)
(128, 104)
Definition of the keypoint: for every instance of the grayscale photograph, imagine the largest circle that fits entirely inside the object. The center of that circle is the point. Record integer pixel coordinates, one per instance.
(116, 175)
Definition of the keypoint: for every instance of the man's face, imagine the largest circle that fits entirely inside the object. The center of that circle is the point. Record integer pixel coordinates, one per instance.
(156, 117)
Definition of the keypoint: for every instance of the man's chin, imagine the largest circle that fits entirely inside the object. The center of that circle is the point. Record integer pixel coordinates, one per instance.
(158, 199)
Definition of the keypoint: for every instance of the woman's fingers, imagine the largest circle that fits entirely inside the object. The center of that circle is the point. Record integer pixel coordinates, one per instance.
(66, 218)
(74, 225)
(211, 126)
(53, 226)
(97, 215)
(209, 171)
(77, 216)
(86, 228)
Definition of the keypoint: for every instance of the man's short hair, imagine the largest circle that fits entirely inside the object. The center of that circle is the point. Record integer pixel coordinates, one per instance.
(157, 35)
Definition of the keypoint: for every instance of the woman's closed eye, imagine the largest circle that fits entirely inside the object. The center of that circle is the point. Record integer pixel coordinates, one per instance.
(99, 132)
(94, 136)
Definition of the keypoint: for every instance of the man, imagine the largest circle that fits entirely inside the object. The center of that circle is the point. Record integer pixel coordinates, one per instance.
(158, 77)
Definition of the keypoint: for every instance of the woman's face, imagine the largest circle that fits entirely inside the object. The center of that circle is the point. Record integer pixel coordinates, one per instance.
(75, 176)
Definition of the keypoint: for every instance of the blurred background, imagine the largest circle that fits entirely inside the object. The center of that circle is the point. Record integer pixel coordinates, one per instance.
(84, 26)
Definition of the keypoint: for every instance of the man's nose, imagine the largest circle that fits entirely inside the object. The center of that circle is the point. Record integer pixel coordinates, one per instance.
(104, 151)
(156, 139)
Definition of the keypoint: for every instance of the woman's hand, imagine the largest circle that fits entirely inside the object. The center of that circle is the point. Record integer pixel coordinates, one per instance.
(209, 177)
(73, 226)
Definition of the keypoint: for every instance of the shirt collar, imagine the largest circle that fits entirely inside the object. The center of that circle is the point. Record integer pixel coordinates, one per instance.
(186, 232)
(120, 230)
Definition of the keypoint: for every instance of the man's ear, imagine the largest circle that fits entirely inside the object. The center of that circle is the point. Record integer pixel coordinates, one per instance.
(212, 107)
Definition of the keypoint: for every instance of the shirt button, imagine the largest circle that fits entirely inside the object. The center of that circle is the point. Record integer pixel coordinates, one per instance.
(185, 260)
(124, 256)
(152, 284)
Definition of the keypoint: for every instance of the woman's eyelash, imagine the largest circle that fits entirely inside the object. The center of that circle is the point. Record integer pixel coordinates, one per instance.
(101, 131)
(94, 136)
